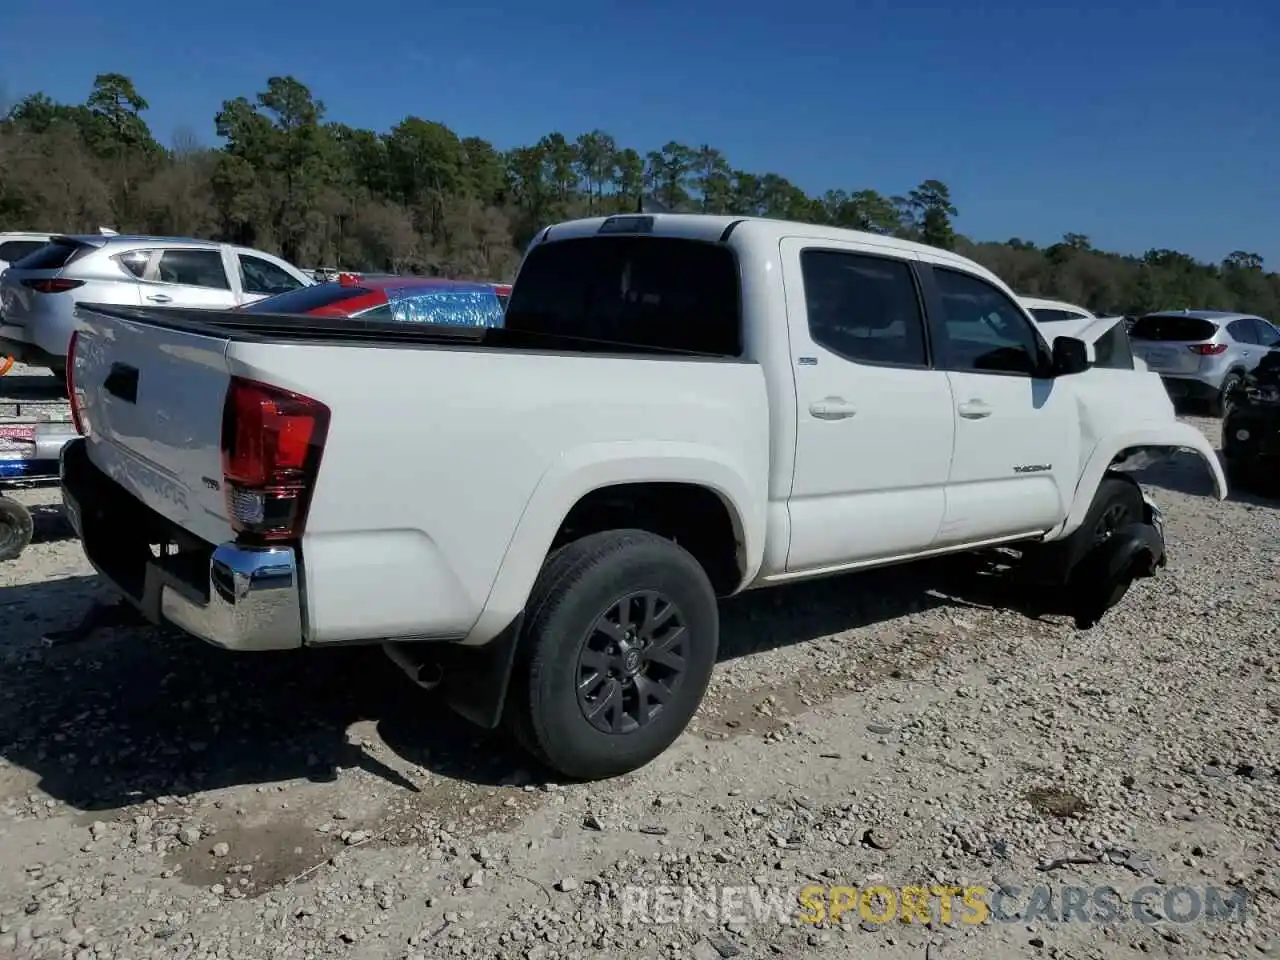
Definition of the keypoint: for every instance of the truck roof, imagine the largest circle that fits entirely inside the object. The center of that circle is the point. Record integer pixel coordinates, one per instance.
(716, 227)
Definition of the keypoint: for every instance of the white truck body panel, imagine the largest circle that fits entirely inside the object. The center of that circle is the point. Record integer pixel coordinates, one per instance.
(448, 469)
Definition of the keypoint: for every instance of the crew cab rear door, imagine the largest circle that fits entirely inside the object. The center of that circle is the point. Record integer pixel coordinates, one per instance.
(874, 421)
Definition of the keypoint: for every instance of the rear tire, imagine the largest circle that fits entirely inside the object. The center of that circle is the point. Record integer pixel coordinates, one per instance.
(16, 529)
(618, 646)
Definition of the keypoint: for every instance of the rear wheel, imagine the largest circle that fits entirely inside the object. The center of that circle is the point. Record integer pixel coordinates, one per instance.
(619, 644)
(16, 528)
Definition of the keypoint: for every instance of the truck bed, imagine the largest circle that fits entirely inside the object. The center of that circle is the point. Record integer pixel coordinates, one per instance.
(260, 327)
(447, 451)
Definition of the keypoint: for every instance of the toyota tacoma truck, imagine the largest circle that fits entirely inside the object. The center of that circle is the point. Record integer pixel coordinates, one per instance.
(538, 520)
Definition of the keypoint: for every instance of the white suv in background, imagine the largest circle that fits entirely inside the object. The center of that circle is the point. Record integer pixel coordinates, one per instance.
(38, 294)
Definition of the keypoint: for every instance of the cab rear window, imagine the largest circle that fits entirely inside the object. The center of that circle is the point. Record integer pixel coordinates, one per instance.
(644, 292)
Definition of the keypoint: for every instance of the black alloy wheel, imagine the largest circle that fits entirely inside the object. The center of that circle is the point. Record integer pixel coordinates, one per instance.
(631, 662)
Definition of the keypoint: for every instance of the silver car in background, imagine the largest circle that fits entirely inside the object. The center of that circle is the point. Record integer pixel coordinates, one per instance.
(38, 294)
(1202, 354)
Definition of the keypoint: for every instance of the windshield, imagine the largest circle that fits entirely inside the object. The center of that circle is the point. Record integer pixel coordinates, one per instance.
(646, 292)
(1048, 315)
(1172, 327)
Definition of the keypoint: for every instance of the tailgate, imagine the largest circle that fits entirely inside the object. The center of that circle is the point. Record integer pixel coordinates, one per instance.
(151, 406)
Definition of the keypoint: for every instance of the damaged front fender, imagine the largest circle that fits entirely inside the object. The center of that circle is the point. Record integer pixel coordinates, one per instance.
(1137, 448)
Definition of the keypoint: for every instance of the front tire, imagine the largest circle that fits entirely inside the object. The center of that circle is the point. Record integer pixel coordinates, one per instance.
(1116, 502)
(619, 642)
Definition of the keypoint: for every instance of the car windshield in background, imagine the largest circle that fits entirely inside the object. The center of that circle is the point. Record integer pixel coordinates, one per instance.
(50, 256)
(1161, 327)
(306, 299)
(457, 306)
(15, 250)
(644, 292)
(1047, 315)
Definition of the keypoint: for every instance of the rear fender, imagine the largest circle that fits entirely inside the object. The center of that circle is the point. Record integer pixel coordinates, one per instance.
(1166, 437)
(595, 466)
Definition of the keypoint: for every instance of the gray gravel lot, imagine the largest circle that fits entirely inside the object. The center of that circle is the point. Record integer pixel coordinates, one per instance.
(160, 798)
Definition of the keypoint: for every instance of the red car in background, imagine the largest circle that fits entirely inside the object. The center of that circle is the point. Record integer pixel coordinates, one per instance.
(403, 299)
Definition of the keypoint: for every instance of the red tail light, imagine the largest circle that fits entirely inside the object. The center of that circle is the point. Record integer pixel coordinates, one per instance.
(1208, 349)
(56, 285)
(271, 445)
(77, 419)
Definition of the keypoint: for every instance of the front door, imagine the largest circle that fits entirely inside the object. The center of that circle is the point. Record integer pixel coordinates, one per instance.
(1017, 448)
(874, 421)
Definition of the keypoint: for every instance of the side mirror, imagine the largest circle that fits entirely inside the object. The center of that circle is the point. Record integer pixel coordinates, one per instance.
(1069, 356)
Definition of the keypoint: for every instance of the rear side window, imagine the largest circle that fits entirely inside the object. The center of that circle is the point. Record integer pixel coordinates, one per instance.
(193, 268)
(644, 292)
(1161, 327)
(51, 256)
(14, 250)
(1242, 331)
(1048, 315)
(862, 308)
(306, 299)
(135, 261)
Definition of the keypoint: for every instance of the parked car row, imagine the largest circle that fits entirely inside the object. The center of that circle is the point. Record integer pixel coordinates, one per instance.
(1203, 355)
(44, 276)
(39, 293)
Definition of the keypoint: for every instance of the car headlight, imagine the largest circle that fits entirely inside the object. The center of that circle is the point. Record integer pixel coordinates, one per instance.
(1263, 394)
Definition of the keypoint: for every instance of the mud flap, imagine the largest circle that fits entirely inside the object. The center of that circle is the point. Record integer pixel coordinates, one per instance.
(1103, 576)
(475, 679)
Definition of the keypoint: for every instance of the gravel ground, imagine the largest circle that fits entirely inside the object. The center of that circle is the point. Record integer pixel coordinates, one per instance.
(159, 798)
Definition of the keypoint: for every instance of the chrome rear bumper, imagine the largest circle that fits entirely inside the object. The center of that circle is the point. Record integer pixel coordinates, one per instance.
(254, 600)
(233, 596)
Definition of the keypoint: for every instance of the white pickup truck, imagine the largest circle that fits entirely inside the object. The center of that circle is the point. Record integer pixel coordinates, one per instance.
(539, 519)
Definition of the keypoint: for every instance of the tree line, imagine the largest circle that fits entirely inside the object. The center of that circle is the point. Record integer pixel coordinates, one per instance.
(420, 198)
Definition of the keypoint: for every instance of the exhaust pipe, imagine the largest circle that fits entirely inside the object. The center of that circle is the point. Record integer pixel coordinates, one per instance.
(426, 672)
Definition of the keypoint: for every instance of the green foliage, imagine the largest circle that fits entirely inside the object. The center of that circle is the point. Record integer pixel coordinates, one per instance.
(421, 198)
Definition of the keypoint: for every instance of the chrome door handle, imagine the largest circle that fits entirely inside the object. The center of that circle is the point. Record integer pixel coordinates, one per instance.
(160, 298)
(974, 410)
(832, 408)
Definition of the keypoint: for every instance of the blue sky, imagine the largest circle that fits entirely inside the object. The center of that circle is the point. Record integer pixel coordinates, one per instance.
(1147, 123)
